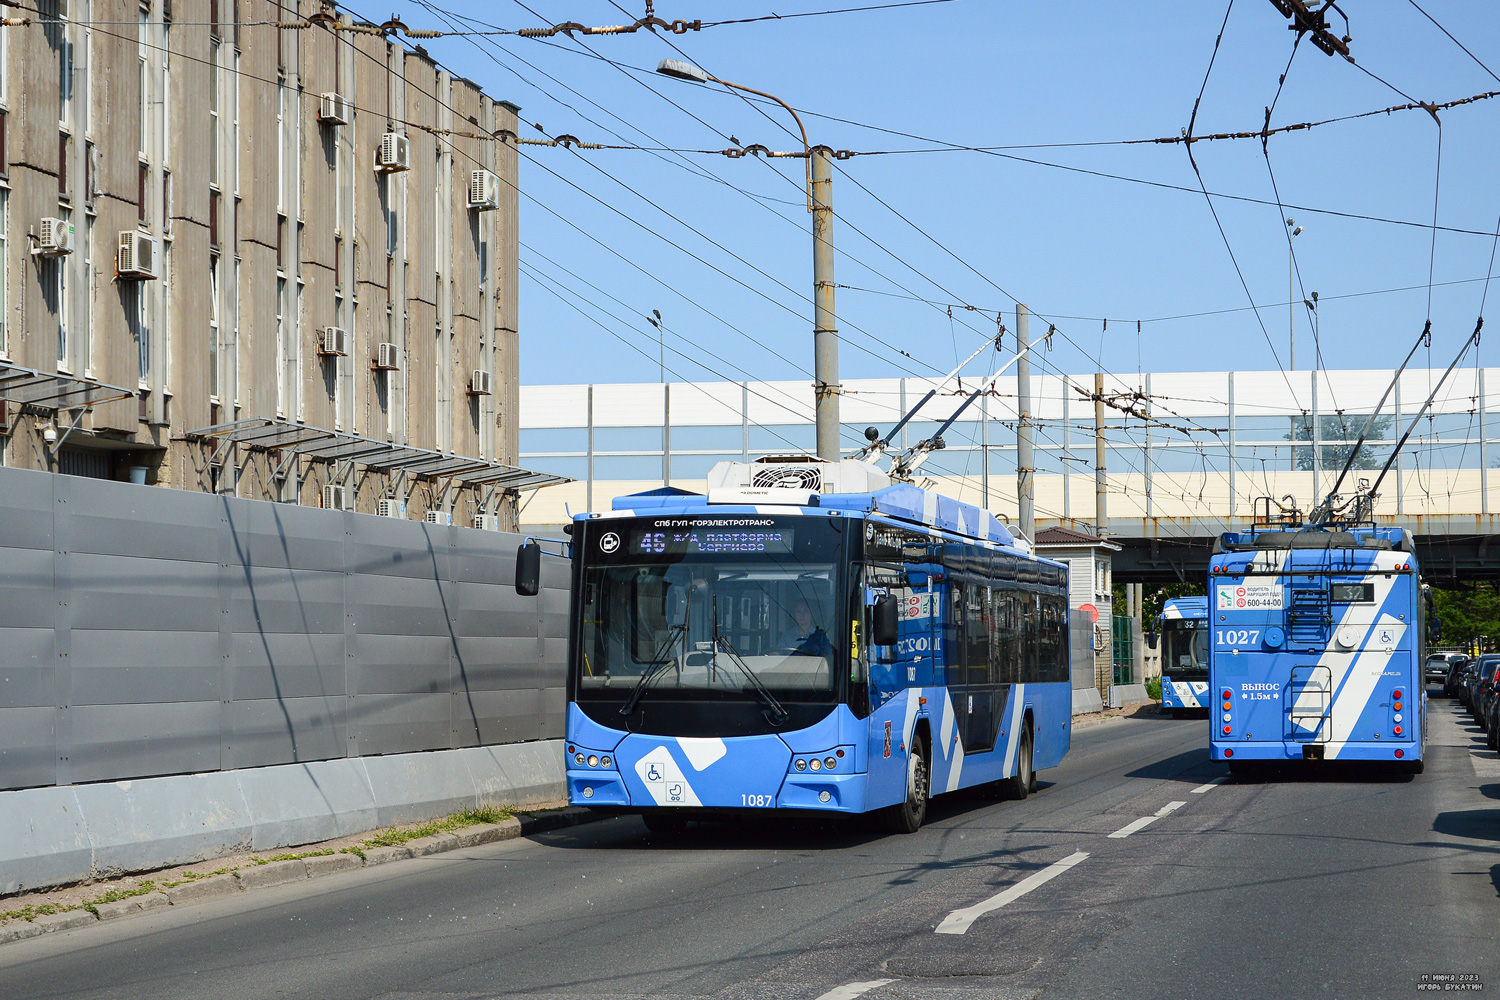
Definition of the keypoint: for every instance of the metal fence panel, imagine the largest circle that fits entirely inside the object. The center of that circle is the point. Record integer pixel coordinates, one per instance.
(148, 631)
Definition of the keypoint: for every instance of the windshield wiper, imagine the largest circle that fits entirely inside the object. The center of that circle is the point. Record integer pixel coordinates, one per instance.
(777, 713)
(658, 668)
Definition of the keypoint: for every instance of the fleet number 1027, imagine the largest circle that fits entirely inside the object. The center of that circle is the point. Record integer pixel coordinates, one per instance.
(1237, 637)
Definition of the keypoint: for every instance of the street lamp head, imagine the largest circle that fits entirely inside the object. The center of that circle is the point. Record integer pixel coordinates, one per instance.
(657, 312)
(681, 70)
(1290, 223)
(1311, 304)
(1315, 296)
(1297, 231)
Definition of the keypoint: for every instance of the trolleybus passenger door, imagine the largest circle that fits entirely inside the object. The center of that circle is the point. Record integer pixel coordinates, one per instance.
(908, 663)
(977, 710)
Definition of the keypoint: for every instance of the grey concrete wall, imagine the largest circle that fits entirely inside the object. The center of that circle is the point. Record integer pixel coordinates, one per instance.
(58, 836)
(149, 632)
(1081, 665)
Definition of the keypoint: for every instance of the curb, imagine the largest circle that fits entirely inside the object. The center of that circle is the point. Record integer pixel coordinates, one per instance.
(296, 870)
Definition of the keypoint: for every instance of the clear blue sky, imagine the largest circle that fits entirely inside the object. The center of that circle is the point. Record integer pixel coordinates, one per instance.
(988, 73)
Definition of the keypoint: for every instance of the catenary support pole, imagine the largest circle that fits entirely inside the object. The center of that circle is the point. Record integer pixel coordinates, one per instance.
(1101, 502)
(1025, 459)
(825, 332)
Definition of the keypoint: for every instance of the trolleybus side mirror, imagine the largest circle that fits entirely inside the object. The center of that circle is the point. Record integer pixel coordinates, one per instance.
(1434, 628)
(883, 621)
(1151, 639)
(529, 569)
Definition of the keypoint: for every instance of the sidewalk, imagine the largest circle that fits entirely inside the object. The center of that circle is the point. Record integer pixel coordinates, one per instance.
(31, 914)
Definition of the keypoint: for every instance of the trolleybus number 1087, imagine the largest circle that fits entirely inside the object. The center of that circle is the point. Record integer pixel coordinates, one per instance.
(1237, 637)
(757, 801)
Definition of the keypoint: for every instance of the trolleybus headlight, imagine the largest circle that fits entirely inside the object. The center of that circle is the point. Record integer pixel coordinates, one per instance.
(604, 761)
(588, 792)
(830, 763)
(578, 758)
(823, 796)
(815, 763)
(801, 764)
(593, 760)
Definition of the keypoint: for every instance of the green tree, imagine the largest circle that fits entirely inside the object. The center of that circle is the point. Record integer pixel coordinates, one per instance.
(1152, 599)
(1343, 428)
(1470, 615)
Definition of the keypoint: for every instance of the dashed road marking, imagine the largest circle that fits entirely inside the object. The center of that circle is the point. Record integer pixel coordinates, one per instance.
(1140, 824)
(851, 990)
(1206, 787)
(959, 921)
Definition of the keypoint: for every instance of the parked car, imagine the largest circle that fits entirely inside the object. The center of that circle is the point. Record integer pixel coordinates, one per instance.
(1484, 668)
(1436, 668)
(1492, 731)
(1456, 668)
(1484, 693)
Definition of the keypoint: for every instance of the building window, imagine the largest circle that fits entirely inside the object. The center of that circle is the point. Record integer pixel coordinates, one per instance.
(86, 313)
(283, 381)
(143, 61)
(59, 267)
(142, 331)
(213, 326)
(213, 113)
(4, 256)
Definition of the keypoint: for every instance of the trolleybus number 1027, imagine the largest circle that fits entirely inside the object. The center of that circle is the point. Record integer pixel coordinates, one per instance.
(1237, 637)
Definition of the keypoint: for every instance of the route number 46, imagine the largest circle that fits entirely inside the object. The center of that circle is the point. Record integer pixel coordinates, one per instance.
(1238, 637)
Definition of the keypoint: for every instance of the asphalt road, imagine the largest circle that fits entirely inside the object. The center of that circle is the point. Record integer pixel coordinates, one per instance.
(1343, 883)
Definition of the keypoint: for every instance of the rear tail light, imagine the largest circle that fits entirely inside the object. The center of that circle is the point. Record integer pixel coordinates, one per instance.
(1396, 694)
(1398, 730)
(1227, 695)
(1400, 754)
(1230, 753)
(1226, 730)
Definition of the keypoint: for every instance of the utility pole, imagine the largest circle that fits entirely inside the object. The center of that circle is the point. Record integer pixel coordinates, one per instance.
(1101, 502)
(1025, 459)
(825, 333)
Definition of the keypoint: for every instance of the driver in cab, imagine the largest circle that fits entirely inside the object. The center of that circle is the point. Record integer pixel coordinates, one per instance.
(805, 638)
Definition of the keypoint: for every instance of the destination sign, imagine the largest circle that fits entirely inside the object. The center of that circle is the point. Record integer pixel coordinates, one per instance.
(713, 541)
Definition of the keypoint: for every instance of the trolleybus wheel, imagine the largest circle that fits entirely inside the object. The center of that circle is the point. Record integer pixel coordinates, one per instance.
(665, 824)
(907, 816)
(1024, 780)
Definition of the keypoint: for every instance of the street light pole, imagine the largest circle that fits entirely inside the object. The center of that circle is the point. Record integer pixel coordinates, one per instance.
(661, 340)
(1291, 297)
(820, 203)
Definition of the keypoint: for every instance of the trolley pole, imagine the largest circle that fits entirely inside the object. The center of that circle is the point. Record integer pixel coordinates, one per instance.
(1101, 501)
(825, 333)
(1025, 459)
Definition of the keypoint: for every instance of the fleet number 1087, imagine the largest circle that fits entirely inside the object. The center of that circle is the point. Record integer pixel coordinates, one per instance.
(1237, 637)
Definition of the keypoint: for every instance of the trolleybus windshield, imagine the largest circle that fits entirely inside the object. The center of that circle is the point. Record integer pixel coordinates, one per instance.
(711, 628)
(1186, 648)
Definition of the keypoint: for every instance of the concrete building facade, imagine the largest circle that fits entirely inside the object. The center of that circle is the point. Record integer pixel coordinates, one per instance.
(255, 228)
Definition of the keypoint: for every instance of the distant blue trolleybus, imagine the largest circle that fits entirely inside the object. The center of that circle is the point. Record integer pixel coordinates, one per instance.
(808, 637)
(1317, 643)
(1183, 626)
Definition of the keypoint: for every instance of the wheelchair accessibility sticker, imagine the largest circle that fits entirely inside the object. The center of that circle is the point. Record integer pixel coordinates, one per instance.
(664, 780)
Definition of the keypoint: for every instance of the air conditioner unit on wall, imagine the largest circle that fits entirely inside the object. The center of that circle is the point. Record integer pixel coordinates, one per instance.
(389, 507)
(333, 342)
(335, 497)
(484, 190)
(137, 255)
(439, 517)
(479, 384)
(55, 238)
(387, 358)
(487, 522)
(334, 110)
(394, 153)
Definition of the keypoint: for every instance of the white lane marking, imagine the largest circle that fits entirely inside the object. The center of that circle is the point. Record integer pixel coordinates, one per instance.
(851, 990)
(1208, 787)
(959, 921)
(1145, 821)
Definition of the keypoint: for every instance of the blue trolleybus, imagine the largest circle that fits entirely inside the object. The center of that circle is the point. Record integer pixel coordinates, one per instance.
(808, 637)
(1317, 644)
(1183, 625)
